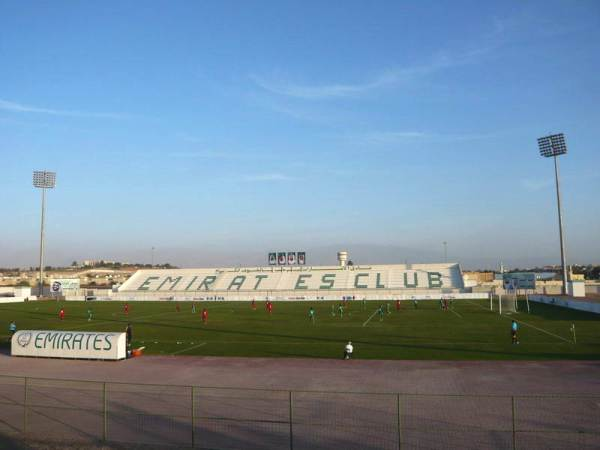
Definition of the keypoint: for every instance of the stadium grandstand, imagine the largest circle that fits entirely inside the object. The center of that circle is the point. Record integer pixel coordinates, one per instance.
(295, 282)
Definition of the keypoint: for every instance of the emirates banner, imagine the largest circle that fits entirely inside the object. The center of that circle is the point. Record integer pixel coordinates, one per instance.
(69, 344)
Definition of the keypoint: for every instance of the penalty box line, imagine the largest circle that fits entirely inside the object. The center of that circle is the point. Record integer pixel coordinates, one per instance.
(370, 317)
(543, 331)
(452, 311)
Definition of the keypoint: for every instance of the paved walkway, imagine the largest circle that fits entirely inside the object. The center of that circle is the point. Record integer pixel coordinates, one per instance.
(423, 377)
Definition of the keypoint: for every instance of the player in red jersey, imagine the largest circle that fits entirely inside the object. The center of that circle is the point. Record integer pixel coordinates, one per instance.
(61, 313)
(204, 315)
(398, 305)
(253, 304)
(126, 309)
(269, 307)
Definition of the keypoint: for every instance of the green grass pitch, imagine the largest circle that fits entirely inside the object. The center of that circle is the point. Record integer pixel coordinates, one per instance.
(468, 331)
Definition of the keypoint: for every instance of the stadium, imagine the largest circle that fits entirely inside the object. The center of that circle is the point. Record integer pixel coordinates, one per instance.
(299, 225)
(231, 358)
(376, 282)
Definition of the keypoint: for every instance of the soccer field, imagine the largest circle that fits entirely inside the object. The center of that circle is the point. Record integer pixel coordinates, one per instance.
(468, 331)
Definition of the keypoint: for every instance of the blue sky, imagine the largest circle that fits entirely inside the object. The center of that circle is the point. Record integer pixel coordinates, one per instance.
(219, 131)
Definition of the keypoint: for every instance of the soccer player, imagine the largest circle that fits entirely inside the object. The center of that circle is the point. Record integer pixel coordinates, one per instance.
(364, 303)
(193, 308)
(380, 312)
(12, 328)
(177, 308)
(348, 350)
(128, 335)
(332, 310)
(204, 315)
(311, 314)
(126, 309)
(90, 314)
(514, 327)
(253, 304)
(387, 308)
(398, 305)
(341, 310)
(61, 313)
(416, 303)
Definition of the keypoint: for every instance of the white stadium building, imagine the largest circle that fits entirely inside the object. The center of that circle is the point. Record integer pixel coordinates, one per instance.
(373, 282)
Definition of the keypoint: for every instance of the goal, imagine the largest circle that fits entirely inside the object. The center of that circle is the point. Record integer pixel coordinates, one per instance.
(504, 303)
(508, 303)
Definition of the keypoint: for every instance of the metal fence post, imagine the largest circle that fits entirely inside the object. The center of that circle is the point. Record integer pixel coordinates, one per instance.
(193, 418)
(514, 433)
(291, 428)
(399, 416)
(25, 407)
(104, 413)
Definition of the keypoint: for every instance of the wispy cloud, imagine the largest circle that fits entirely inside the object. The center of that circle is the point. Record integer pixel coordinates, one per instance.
(392, 136)
(21, 108)
(536, 184)
(203, 154)
(268, 177)
(190, 138)
(403, 136)
(497, 36)
(389, 77)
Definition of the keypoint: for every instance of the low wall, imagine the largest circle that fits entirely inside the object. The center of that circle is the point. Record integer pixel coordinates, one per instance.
(12, 299)
(567, 302)
(592, 288)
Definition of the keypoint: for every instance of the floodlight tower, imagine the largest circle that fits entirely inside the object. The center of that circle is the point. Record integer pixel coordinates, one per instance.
(43, 180)
(553, 146)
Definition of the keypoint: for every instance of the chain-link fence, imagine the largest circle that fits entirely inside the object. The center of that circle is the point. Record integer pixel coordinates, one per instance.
(86, 412)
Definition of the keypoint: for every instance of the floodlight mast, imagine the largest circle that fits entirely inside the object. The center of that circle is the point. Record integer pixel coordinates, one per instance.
(43, 180)
(553, 146)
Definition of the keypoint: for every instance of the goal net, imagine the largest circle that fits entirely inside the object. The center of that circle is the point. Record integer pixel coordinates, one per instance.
(508, 303)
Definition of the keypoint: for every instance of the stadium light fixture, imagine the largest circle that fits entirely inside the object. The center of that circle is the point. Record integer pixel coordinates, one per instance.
(43, 180)
(550, 147)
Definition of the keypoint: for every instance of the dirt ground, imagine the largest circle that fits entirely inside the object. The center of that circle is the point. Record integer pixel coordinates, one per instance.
(246, 403)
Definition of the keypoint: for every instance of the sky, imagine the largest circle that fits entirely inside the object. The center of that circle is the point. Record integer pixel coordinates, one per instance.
(219, 131)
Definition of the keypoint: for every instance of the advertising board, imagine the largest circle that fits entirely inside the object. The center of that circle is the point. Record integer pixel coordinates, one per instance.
(58, 285)
(69, 344)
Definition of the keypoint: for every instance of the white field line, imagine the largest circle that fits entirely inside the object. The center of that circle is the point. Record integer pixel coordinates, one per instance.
(188, 349)
(370, 317)
(542, 330)
(452, 311)
(529, 325)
